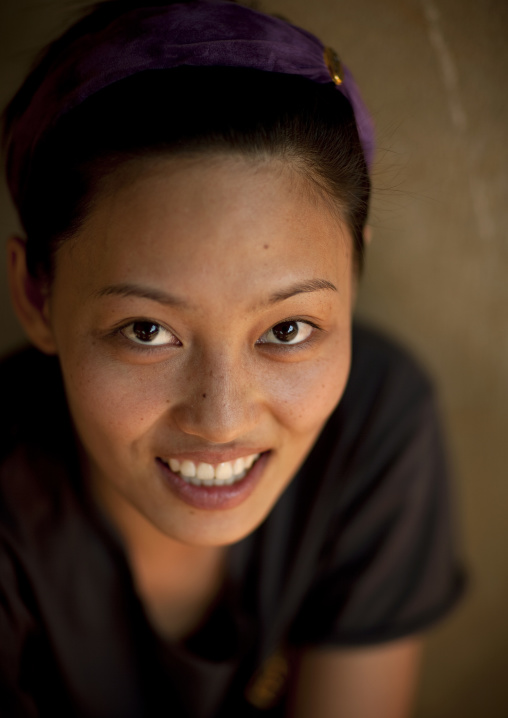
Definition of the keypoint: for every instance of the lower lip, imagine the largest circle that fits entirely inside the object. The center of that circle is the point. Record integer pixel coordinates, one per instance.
(215, 498)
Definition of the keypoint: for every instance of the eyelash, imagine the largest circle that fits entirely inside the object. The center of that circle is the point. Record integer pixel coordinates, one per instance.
(286, 346)
(145, 347)
(151, 348)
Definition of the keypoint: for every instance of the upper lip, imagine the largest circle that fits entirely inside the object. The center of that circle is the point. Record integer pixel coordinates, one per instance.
(214, 457)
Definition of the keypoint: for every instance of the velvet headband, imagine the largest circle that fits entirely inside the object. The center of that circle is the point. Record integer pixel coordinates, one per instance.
(203, 33)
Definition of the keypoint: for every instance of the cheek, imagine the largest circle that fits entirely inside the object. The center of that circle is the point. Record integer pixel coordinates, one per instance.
(119, 407)
(305, 395)
(112, 402)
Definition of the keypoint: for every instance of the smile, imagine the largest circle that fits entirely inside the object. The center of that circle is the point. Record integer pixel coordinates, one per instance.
(214, 493)
(203, 474)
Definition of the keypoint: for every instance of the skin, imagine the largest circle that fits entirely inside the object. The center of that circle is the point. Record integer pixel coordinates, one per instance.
(223, 235)
(234, 242)
(370, 682)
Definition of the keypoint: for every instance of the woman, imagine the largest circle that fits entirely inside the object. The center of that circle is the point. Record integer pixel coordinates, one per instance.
(218, 496)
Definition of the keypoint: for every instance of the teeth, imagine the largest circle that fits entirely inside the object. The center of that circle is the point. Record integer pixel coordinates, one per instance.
(207, 475)
(238, 466)
(224, 471)
(188, 469)
(205, 471)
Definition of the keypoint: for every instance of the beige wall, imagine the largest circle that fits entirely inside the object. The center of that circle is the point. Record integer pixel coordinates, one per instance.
(434, 73)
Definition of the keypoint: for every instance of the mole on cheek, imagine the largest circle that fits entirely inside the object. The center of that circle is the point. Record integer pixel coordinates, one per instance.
(204, 396)
(266, 246)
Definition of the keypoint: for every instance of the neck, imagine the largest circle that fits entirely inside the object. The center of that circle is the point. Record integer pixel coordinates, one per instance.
(177, 583)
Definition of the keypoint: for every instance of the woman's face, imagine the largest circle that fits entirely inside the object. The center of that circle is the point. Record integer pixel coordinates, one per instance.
(202, 315)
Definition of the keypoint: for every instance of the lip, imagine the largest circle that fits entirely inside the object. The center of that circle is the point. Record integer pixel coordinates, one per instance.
(215, 498)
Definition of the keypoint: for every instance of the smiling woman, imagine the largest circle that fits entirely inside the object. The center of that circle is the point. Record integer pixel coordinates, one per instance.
(253, 485)
(151, 376)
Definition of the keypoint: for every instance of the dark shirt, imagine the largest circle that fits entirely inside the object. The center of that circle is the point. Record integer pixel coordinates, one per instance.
(358, 550)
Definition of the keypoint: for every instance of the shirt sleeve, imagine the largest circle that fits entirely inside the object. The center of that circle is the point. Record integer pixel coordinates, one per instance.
(16, 624)
(389, 567)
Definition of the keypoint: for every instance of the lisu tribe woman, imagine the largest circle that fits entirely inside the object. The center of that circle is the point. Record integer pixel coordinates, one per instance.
(220, 496)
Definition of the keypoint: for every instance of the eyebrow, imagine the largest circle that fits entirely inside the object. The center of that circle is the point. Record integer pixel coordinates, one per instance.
(311, 285)
(136, 290)
(155, 295)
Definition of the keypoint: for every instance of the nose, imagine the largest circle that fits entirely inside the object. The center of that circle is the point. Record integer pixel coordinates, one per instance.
(219, 402)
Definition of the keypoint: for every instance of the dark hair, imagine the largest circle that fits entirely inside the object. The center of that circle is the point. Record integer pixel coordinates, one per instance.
(183, 110)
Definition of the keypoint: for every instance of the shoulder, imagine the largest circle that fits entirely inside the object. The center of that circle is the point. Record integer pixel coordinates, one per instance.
(388, 397)
(386, 393)
(37, 449)
(387, 560)
(380, 361)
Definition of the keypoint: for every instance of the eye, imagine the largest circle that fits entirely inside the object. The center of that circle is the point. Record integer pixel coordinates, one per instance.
(288, 332)
(147, 332)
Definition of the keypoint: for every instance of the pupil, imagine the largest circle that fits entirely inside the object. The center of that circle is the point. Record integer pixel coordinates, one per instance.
(285, 331)
(145, 331)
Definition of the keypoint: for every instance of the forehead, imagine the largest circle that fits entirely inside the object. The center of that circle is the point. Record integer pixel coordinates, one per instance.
(212, 216)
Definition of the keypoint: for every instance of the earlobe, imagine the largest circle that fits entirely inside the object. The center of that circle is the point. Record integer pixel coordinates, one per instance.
(29, 297)
(367, 235)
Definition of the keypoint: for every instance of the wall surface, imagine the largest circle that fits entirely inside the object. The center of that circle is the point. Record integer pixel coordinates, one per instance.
(434, 74)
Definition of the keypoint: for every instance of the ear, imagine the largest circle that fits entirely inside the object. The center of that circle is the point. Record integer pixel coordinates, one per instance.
(367, 235)
(30, 297)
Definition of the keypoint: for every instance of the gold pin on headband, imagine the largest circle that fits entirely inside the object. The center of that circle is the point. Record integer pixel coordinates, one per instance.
(334, 65)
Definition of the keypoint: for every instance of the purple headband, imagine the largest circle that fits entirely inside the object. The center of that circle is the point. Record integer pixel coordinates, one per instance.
(203, 33)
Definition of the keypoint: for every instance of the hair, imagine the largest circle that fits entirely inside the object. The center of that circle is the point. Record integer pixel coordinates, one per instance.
(188, 109)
